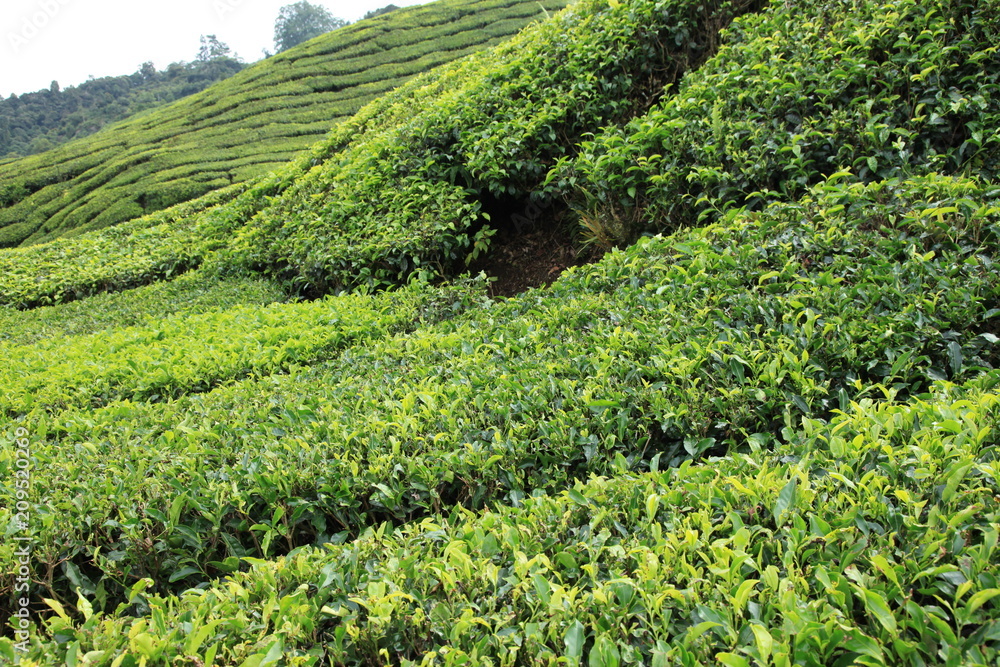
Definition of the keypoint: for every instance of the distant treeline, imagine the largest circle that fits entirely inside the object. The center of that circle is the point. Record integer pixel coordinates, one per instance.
(36, 122)
(378, 12)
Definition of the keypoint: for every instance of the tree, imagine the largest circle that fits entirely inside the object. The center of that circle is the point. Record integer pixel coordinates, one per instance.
(301, 21)
(212, 48)
(147, 71)
(5, 144)
(378, 12)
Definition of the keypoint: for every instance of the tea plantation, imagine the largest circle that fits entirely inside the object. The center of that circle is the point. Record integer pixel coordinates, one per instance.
(282, 425)
(245, 126)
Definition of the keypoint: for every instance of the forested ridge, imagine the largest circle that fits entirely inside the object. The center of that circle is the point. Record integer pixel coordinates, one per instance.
(39, 121)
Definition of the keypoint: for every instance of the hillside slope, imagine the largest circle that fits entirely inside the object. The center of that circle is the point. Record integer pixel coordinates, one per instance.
(244, 126)
(762, 430)
(405, 187)
(731, 341)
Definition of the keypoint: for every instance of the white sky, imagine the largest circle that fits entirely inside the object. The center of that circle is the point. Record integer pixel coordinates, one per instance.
(70, 40)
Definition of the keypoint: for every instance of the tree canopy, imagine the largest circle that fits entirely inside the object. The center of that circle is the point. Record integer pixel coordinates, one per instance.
(212, 48)
(302, 21)
(378, 12)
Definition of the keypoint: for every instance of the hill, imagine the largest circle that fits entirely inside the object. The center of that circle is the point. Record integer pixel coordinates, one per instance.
(36, 122)
(403, 188)
(758, 426)
(244, 126)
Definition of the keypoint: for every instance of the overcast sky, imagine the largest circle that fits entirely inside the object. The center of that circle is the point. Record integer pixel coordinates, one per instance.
(69, 40)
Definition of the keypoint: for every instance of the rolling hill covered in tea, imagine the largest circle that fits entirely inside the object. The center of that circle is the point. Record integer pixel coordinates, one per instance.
(245, 126)
(742, 410)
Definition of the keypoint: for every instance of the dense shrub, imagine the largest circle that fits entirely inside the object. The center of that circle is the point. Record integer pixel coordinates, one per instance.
(714, 341)
(770, 439)
(841, 547)
(404, 197)
(797, 93)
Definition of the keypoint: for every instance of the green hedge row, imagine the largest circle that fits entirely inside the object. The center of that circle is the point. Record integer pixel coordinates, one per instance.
(712, 341)
(189, 352)
(870, 540)
(191, 293)
(139, 252)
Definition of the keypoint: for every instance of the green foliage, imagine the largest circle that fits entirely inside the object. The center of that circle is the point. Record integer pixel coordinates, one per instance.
(191, 293)
(379, 12)
(241, 128)
(768, 440)
(190, 352)
(51, 273)
(870, 563)
(212, 49)
(796, 94)
(720, 340)
(161, 245)
(302, 21)
(402, 197)
(35, 122)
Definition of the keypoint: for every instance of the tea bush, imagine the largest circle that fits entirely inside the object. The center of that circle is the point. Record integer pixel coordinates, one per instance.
(159, 246)
(190, 293)
(795, 94)
(191, 352)
(492, 125)
(770, 439)
(404, 197)
(715, 341)
(871, 539)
